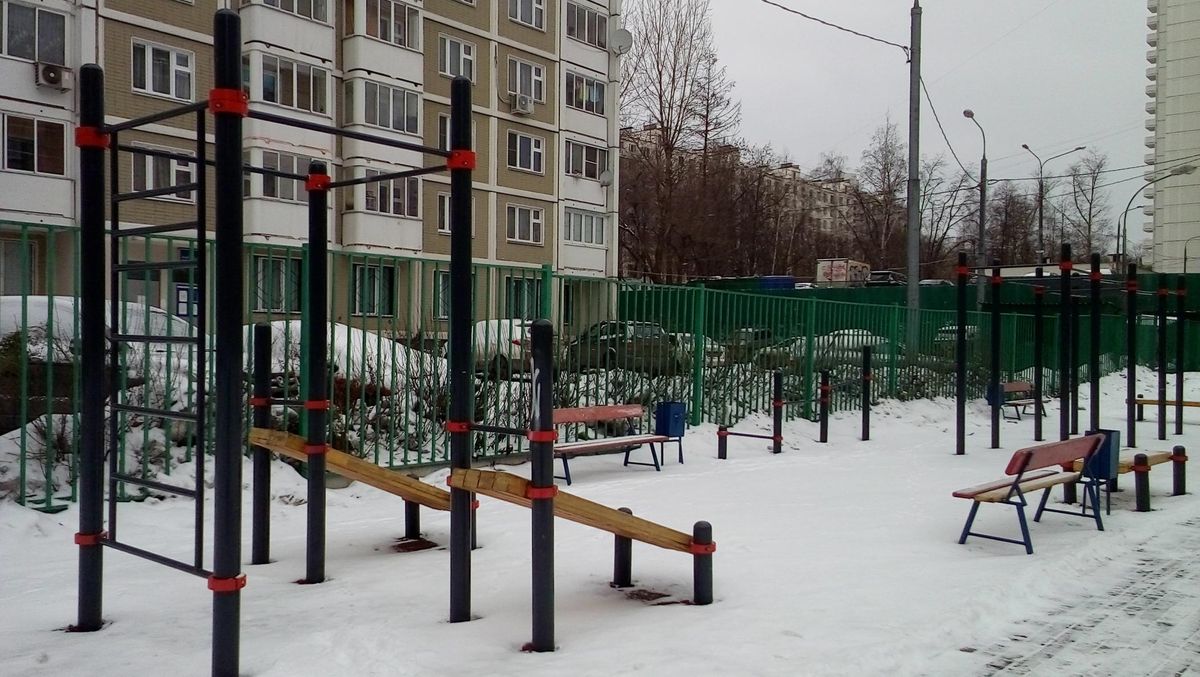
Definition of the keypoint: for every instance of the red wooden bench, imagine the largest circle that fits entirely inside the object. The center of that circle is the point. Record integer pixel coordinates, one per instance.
(607, 445)
(1031, 469)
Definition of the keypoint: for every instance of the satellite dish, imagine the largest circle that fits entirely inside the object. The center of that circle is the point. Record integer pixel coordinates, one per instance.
(606, 178)
(620, 41)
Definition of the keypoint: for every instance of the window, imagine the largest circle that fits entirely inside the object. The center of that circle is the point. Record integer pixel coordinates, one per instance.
(586, 25)
(526, 78)
(281, 188)
(586, 161)
(585, 94)
(162, 70)
(394, 21)
(441, 293)
(525, 152)
(17, 261)
(522, 297)
(293, 84)
(277, 284)
(443, 214)
(456, 57)
(392, 107)
(398, 197)
(155, 171)
(528, 12)
(32, 145)
(443, 140)
(524, 224)
(583, 227)
(374, 287)
(33, 34)
(309, 9)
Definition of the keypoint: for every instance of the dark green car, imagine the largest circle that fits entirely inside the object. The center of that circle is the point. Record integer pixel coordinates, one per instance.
(636, 346)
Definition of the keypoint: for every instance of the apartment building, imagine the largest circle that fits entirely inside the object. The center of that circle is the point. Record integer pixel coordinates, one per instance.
(544, 127)
(1173, 204)
(827, 203)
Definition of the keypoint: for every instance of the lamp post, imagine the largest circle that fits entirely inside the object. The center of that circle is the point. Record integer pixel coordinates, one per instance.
(1042, 195)
(1124, 226)
(981, 247)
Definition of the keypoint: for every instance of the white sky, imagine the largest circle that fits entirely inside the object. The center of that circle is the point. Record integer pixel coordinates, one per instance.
(1051, 73)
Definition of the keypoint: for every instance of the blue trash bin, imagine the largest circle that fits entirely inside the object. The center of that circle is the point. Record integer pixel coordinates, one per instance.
(1104, 463)
(670, 419)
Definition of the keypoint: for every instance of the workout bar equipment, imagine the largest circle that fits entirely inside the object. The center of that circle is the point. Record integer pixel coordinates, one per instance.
(1064, 344)
(994, 387)
(1039, 349)
(1161, 354)
(1094, 339)
(866, 393)
(1141, 482)
(702, 574)
(623, 558)
(541, 448)
(823, 411)
(777, 404)
(315, 370)
(1131, 314)
(1180, 322)
(962, 273)
(1074, 373)
(260, 539)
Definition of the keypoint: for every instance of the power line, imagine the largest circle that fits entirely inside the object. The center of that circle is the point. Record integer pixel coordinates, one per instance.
(1181, 161)
(833, 25)
(938, 120)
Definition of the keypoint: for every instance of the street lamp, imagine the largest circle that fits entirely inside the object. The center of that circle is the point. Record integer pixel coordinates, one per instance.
(981, 248)
(1124, 226)
(1042, 194)
(1185, 254)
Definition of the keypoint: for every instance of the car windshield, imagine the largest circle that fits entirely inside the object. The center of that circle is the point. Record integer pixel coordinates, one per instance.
(646, 330)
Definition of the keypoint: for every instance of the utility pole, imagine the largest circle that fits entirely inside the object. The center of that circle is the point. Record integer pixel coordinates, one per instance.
(981, 244)
(914, 178)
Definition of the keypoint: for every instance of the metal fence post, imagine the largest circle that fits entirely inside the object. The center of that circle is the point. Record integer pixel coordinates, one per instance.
(702, 573)
(260, 539)
(1161, 350)
(824, 406)
(316, 394)
(1131, 327)
(1094, 339)
(994, 387)
(1180, 322)
(1064, 344)
(623, 558)
(722, 442)
(1039, 352)
(1178, 470)
(866, 393)
(699, 332)
(1141, 482)
(777, 412)
(960, 356)
(541, 484)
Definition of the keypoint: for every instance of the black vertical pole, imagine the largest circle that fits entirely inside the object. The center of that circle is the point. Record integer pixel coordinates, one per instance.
(824, 406)
(91, 277)
(1094, 339)
(461, 162)
(541, 484)
(260, 539)
(1039, 354)
(1180, 322)
(1162, 356)
(1074, 366)
(229, 107)
(412, 520)
(866, 393)
(623, 558)
(777, 411)
(316, 403)
(1131, 326)
(994, 386)
(722, 442)
(1141, 483)
(960, 357)
(1064, 343)
(702, 573)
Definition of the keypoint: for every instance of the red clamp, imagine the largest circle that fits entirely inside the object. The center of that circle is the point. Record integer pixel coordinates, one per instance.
(777, 438)
(315, 449)
(90, 539)
(542, 435)
(1140, 468)
(778, 403)
(317, 182)
(1179, 458)
(1181, 292)
(1095, 276)
(532, 492)
(1131, 285)
(260, 401)
(316, 405)
(722, 432)
(996, 280)
(1065, 265)
(226, 584)
(1163, 291)
(824, 389)
(868, 378)
(91, 137)
(962, 271)
(1039, 291)
(461, 159)
(702, 548)
(458, 426)
(228, 100)
(475, 504)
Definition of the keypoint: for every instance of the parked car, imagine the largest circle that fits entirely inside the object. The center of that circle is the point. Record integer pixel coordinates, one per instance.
(843, 346)
(742, 344)
(619, 344)
(935, 283)
(789, 355)
(714, 353)
(501, 347)
(886, 278)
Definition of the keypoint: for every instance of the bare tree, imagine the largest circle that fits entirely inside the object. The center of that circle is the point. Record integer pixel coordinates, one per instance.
(1012, 225)
(946, 203)
(878, 230)
(1085, 209)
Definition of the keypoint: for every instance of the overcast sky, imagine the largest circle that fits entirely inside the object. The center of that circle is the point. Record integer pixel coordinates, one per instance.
(1051, 73)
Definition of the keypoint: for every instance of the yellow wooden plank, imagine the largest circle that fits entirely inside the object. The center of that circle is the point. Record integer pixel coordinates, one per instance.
(1125, 460)
(1028, 486)
(1170, 403)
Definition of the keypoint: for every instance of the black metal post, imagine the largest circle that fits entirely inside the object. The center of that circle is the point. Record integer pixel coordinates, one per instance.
(1074, 366)
(777, 412)
(960, 357)
(823, 410)
(623, 558)
(866, 393)
(1131, 327)
(1180, 322)
(460, 344)
(1179, 470)
(541, 484)
(722, 442)
(1064, 344)
(412, 520)
(994, 387)
(1161, 354)
(92, 286)
(1039, 351)
(317, 398)
(228, 105)
(702, 573)
(1094, 339)
(1141, 483)
(260, 538)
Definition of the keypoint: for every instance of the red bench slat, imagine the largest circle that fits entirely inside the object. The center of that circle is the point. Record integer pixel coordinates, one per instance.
(1062, 453)
(605, 412)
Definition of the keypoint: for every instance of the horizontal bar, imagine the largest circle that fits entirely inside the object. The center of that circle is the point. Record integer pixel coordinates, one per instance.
(337, 131)
(160, 413)
(757, 437)
(156, 558)
(157, 117)
(151, 230)
(156, 192)
(388, 177)
(152, 338)
(154, 265)
(286, 403)
(996, 538)
(250, 169)
(498, 429)
(159, 152)
(151, 484)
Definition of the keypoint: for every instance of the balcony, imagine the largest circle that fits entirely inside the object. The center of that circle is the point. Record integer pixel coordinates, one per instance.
(1148, 226)
(1148, 210)
(1152, 38)
(1152, 74)
(1152, 22)
(1152, 90)
(1151, 158)
(1148, 193)
(1150, 140)
(1151, 107)
(1152, 55)
(1151, 124)
(1152, 6)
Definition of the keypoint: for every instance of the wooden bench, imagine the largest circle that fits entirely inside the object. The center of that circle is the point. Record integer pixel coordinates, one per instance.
(1032, 469)
(1143, 402)
(608, 445)
(1126, 463)
(1019, 396)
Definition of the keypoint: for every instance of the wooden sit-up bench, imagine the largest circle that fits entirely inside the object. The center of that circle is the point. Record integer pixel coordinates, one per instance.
(1032, 469)
(1143, 402)
(608, 445)
(1022, 398)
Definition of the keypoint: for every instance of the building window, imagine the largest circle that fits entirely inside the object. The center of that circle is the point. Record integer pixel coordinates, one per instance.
(456, 57)
(32, 145)
(443, 139)
(443, 214)
(526, 78)
(586, 25)
(392, 107)
(374, 289)
(528, 12)
(585, 94)
(17, 261)
(524, 224)
(583, 227)
(525, 152)
(586, 161)
(277, 284)
(151, 172)
(284, 188)
(398, 197)
(309, 9)
(294, 84)
(397, 22)
(522, 297)
(33, 34)
(166, 71)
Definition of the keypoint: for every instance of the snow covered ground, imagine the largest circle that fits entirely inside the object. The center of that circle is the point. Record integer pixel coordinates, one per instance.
(837, 559)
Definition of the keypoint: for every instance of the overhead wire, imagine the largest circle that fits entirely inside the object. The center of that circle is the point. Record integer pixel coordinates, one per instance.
(836, 26)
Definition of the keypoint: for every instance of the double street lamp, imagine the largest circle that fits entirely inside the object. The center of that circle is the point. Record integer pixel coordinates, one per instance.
(1123, 228)
(1042, 194)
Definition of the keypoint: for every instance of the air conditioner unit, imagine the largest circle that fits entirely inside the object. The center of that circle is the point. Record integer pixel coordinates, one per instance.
(52, 75)
(522, 104)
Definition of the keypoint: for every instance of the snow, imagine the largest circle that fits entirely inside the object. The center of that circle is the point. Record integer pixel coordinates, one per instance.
(836, 559)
